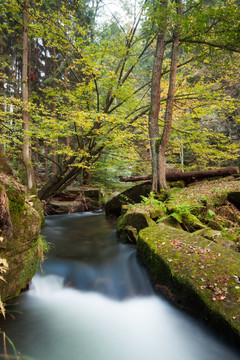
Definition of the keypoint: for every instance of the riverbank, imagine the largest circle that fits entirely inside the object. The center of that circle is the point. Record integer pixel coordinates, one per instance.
(21, 245)
(189, 242)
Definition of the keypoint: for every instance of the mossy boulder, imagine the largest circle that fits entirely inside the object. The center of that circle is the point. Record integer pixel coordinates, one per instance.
(19, 237)
(129, 224)
(130, 196)
(203, 276)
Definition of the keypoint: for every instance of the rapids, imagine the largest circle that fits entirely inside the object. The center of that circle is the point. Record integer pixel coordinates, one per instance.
(95, 302)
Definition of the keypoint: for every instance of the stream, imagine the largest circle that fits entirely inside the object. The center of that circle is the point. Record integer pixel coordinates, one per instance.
(95, 302)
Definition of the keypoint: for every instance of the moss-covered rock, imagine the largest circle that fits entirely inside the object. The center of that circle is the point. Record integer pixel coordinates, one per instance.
(19, 235)
(202, 275)
(192, 248)
(129, 224)
(130, 196)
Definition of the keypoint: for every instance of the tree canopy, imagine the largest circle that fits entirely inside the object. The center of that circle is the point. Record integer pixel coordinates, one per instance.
(91, 89)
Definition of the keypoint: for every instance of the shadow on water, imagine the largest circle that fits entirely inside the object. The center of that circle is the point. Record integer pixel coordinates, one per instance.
(95, 302)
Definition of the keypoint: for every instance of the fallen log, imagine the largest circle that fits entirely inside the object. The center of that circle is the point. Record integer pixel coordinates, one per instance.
(188, 177)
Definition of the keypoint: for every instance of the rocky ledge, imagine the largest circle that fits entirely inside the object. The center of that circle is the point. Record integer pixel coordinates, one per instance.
(21, 246)
(190, 246)
(75, 199)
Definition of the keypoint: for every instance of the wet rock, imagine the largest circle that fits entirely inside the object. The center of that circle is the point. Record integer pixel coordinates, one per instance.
(77, 199)
(200, 273)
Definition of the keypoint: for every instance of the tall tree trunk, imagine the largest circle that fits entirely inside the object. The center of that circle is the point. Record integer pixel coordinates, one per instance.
(154, 134)
(55, 144)
(36, 165)
(2, 49)
(26, 138)
(170, 101)
(46, 175)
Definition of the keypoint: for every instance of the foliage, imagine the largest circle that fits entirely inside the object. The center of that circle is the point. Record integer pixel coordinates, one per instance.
(89, 83)
(43, 247)
(3, 269)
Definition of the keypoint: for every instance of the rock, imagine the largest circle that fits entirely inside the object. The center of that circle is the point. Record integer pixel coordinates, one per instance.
(130, 196)
(208, 234)
(173, 223)
(19, 237)
(131, 223)
(75, 199)
(200, 273)
(156, 213)
(213, 224)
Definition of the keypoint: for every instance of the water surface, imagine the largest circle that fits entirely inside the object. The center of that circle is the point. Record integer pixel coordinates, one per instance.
(95, 302)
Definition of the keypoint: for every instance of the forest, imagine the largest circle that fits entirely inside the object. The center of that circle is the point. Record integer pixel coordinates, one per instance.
(95, 94)
(90, 91)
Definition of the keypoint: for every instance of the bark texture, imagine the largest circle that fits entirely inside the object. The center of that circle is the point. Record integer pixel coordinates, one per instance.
(26, 140)
(154, 134)
(189, 176)
(170, 101)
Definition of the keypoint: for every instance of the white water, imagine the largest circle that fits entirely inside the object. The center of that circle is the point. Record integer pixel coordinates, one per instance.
(60, 322)
(64, 323)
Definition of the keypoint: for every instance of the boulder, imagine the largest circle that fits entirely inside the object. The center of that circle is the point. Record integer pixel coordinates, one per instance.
(202, 275)
(20, 225)
(129, 225)
(130, 196)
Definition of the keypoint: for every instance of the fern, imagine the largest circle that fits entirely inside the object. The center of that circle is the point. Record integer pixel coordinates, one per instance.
(176, 216)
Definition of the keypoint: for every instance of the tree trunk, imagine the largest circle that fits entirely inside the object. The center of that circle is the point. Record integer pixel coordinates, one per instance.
(169, 107)
(56, 181)
(2, 49)
(46, 175)
(188, 176)
(36, 165)
(55, 144)
(154, 134)
(26, 139)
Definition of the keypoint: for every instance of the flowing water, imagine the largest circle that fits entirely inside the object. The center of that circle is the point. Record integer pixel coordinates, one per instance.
(95, 302)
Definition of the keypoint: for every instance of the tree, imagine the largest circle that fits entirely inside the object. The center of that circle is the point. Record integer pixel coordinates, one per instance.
(26, 140)
(90, 83)
(210, 22)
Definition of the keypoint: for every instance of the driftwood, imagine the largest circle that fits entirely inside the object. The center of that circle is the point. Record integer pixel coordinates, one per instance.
(188, 177)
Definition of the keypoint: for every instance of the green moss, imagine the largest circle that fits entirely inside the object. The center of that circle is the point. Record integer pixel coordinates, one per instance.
(31, 262)
(200, 266)
(134, 221)
(199, 272)
(21, 251)
(43, 247)
(16, 200)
